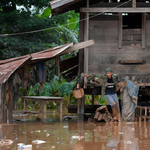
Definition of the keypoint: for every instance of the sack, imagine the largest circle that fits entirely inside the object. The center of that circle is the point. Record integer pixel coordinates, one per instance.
(78, 93)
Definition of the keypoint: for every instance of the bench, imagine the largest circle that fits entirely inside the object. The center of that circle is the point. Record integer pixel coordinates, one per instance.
(44, 99)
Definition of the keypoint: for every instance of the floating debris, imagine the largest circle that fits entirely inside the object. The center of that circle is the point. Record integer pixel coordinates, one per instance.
(78, 137)
(38, 142)
(22, 146)
(120, 132)
(6, 142)
(67, 118)
(38, 131)
(65, 126)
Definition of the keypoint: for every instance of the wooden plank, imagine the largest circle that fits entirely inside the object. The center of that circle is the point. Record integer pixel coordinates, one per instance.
(57, 63)
(144, 84)
(143, 29)
(116, 10)
(134, 3)
(132, 37)
(121, 69)
(120, 31)
(132, 31)
(120, 4)
(78, 46)
(132, 43)
(131, 61)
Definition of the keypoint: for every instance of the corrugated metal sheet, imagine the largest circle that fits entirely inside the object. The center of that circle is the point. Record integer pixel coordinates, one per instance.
(7, 69)
(9, 66)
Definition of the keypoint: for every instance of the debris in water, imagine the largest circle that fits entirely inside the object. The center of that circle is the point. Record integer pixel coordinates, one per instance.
(23, 146)
(67, 118)
(38, 142)
(47, 135)
(120, 132)
(77, 137)
(38, 119)
(37, 131)
(128, 142)
(6, 142)
(53, 146)
(65, 126)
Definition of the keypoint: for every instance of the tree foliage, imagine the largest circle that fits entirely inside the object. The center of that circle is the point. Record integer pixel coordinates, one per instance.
(17, 16)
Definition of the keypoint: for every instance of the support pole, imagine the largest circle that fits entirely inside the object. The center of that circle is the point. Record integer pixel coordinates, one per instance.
(143, 29)
(134, 3)
(86, 37)
(81, 39)
(120, 31)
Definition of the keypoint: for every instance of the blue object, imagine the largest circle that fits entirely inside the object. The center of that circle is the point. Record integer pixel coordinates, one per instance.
(40, 70)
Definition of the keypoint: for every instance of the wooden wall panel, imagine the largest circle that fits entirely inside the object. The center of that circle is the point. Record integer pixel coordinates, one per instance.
(105, 52)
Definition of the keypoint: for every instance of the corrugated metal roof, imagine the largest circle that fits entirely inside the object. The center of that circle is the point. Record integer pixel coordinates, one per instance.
(9, 66)
(7, 69)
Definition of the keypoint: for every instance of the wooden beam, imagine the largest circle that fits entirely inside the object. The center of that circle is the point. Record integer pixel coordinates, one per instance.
(134, 3)
(144, 84)
(120, 31)
(143, 29)
(78, 46)
(116, 10)
(121, 4)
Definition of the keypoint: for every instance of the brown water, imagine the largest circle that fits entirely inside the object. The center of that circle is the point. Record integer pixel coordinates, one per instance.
(75, 135)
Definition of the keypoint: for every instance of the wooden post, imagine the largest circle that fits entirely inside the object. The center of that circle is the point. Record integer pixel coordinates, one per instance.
(44, 107)
(81, 39)
(86, 37)
(143, 29)
(134, 3)
(60, 110)
(3, 109)
(25, 103)
(81, 103)
(4, 120)
(93, 100)
(10, 102)
(120, 31)
(44, 110)
(57, 65)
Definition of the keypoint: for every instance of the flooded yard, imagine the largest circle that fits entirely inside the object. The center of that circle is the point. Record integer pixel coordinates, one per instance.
(31, 133)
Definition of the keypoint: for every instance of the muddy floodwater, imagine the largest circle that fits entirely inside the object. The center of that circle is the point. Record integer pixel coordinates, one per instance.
(29, 133)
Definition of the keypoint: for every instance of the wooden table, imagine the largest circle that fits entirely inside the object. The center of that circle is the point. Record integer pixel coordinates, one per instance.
(44, 99)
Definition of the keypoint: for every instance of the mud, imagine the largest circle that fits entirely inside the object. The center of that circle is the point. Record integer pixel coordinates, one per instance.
(74, 135)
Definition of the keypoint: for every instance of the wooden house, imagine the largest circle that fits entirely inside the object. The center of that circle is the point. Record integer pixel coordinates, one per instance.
(121, 32)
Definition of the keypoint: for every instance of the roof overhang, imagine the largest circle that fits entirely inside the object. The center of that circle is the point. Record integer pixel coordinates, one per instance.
(62, 6)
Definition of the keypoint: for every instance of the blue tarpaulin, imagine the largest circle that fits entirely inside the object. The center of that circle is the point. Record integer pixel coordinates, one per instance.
(129, 99)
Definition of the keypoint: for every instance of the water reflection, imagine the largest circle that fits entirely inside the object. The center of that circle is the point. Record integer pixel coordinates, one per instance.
(77, 135)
